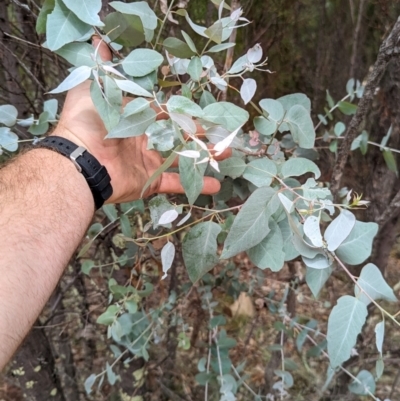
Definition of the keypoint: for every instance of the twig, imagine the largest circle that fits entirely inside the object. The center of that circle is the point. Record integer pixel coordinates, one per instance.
(25, 68)
(388, 49)
(355, 38)
(229, 54)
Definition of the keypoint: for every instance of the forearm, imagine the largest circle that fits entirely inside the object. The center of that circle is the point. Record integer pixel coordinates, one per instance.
(45, 209)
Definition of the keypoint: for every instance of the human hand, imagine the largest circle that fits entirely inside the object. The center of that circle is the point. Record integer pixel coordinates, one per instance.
(127, 160)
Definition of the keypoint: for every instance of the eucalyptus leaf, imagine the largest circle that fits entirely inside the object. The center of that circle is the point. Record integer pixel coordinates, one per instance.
(297, 166)
(183, 105)
(356, 248)
(167, 257)
(135, 106)
(264, 126)
(199, 249)
(140, 9)
(316, 279)
(195, 68)
(379, 335)
(260, 172)
(178, 48)
(109, 114)
(132, 88)
(63, 27)
(220, 48)
(141, 62)
(344, 325)
(373, 283)
(46, 9)
(313, 231)
(339, 229)
(301, 126)
(226, 114)
(251, 224)
(8, 115)
(273, 109)
(76, 77)
(161, 135)
(364, 384)
(248, 90)
(86, 10)
(268, 253)
(134, 125)
(232, 167)
(191, 174)
(8, 140)
(78, 54)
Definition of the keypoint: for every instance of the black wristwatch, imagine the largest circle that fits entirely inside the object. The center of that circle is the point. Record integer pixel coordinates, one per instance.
(95, 174)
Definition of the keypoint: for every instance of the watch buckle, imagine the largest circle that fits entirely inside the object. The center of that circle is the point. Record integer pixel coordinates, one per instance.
(75, 154)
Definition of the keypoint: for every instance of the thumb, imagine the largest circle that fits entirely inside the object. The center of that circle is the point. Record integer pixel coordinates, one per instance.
(102, 48)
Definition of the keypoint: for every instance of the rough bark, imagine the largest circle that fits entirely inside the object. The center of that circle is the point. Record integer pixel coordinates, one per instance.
(390, 48)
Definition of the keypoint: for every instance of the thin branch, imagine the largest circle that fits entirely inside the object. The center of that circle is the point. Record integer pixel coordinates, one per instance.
(389, 49)
(229, 54)
(25, 68)
(356, 36)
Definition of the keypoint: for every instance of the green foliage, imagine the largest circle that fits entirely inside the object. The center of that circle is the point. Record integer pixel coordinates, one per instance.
(268, 206)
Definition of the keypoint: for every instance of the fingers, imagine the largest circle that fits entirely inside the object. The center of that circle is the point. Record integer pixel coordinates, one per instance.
(170, 183)
(102, 48)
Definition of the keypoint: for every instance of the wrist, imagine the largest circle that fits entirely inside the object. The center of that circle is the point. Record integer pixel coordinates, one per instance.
(95, 174)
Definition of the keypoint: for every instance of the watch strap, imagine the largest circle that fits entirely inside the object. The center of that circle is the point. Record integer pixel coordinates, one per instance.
(96, 175)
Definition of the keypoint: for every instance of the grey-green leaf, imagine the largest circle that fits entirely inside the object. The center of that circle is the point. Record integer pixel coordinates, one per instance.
(251, 224)
(273, 108)
(135, 106)
(183, 105)
(158, 206)
(199, 249)
(132, 88)
(141, 62)
(78, 54)
(133, 125)
(344, 325)
(301, 126)
(161, 135)
(380, 335)
(195, 68)
(313, 230)
(8, 115)
(76, 77)
(8, 140)
(109, 114)
(295, 99)
(268, 253)
(316, 278)
(339, 229)
(364, 385)
(356, 248)
(139, 8)
(232, 167)
(264, 126)
(260, 172)
(63, 27)
(297, 166)
(226, 114)
(373, 283)
(191, 174)
(248, 89)
(178, 48)
(86, 10)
